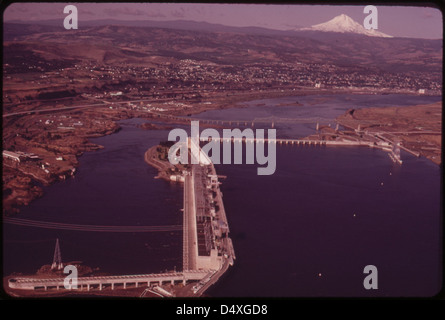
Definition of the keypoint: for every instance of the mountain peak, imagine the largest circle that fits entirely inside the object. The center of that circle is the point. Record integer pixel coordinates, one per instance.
(343, 17)
(345, 24)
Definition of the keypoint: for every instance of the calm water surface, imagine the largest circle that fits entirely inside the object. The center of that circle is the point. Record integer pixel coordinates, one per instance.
(308, 230)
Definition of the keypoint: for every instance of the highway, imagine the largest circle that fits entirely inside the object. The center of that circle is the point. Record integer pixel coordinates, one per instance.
(103, 103)
(52, 109)
(190, 247)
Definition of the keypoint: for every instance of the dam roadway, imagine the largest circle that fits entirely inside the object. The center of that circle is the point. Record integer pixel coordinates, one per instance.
(189, 222)
(201, 195)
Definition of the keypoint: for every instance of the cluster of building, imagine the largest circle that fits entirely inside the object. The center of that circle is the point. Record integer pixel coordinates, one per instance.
(19, 156)
(16, 158)
(191, 74)
(191, 77)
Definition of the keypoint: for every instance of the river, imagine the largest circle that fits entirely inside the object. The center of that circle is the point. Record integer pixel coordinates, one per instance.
(307, 230)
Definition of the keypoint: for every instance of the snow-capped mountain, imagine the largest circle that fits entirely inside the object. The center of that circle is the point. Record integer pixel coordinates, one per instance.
(345, 24)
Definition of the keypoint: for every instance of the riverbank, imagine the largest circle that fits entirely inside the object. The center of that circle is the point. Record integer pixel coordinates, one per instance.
(59, 137)
(45, 157)
(65, 136)
(165, 169)
(418, 129)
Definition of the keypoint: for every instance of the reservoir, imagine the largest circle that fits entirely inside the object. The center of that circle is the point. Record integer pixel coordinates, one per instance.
(113, 186)
(307, 230)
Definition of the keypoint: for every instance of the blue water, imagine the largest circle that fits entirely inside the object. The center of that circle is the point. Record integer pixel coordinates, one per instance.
(307, 230)
(323, 108)
(113, 186)
(290, 227)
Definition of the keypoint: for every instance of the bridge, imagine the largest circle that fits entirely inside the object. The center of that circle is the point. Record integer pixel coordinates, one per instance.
(112, 282)
(314, 142)
(240, 122)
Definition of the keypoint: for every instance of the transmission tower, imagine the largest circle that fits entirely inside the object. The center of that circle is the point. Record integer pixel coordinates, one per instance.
(57, 260)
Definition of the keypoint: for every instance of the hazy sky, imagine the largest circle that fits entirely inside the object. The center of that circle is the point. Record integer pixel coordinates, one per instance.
(417, 22)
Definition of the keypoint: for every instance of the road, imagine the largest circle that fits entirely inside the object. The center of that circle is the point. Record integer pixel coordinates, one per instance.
(52, 109)
(190, 235)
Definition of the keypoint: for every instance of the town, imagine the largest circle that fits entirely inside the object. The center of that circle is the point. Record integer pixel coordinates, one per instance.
(191, 79)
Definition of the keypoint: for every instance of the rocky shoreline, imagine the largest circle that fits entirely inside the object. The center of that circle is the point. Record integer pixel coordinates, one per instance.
(56, 156)
(165, 169)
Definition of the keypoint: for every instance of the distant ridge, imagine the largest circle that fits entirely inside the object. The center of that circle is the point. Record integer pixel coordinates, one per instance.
(342, 26)
(172, 24)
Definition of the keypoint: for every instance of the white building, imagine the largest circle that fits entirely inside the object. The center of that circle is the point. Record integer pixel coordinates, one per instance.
(11, 155)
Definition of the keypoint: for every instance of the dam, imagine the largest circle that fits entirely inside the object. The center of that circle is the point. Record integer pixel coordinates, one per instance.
(207, 249)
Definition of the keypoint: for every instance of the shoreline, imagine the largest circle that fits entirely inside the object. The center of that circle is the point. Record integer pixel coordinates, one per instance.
(161, 166)
(23, 188)
(417, 129)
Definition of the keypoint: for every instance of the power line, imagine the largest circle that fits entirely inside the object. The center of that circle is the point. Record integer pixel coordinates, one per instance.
(90, 228)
